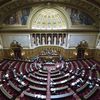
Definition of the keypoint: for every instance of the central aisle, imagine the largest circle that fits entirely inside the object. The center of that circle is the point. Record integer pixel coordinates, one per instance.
(48, 84)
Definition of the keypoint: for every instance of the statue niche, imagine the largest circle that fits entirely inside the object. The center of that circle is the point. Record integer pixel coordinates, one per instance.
(81, 48)
(16, 47)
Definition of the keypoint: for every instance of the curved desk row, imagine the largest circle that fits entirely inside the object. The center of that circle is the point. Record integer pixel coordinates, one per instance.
(5, 92)
(40, 78)
(44, 96)
(36, 82)
(37, 88)
(34, 95)
(54, 71)
(64, 81)
(82, 87)
(61, 77)
(14, 87)
(42, 71)
(60, 88)
(92, 91)
(39, 74)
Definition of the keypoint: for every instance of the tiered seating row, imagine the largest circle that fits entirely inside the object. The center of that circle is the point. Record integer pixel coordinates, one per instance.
(77, 79)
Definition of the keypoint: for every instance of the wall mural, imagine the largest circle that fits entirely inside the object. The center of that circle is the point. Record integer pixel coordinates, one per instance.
(98, 42)
(77, 17)
(20, 17)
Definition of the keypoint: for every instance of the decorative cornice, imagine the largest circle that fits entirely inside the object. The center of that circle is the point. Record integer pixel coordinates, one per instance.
(48, 31)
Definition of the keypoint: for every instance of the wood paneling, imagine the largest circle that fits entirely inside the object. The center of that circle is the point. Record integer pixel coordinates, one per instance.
(1, 54)
(66, 53)
(97, 54)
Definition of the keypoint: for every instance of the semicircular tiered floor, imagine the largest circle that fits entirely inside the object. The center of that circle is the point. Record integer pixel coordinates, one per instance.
(24, 80)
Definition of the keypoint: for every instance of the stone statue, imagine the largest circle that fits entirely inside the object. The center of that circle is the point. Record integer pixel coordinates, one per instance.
(55, 40)
(98, 44)
(33, 41)
(49, 40)
(64, 41)
(60, 41)
(37, 40)
(43, 41)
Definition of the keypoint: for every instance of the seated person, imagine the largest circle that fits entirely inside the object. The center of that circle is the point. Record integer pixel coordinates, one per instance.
(93, 67)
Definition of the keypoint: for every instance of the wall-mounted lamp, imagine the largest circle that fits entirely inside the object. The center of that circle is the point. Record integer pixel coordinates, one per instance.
(12, 54)
(86, 53)
(23, 53)
(75, 53)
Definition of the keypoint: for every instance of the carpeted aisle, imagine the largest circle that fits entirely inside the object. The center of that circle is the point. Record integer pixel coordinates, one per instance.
(48, 85)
